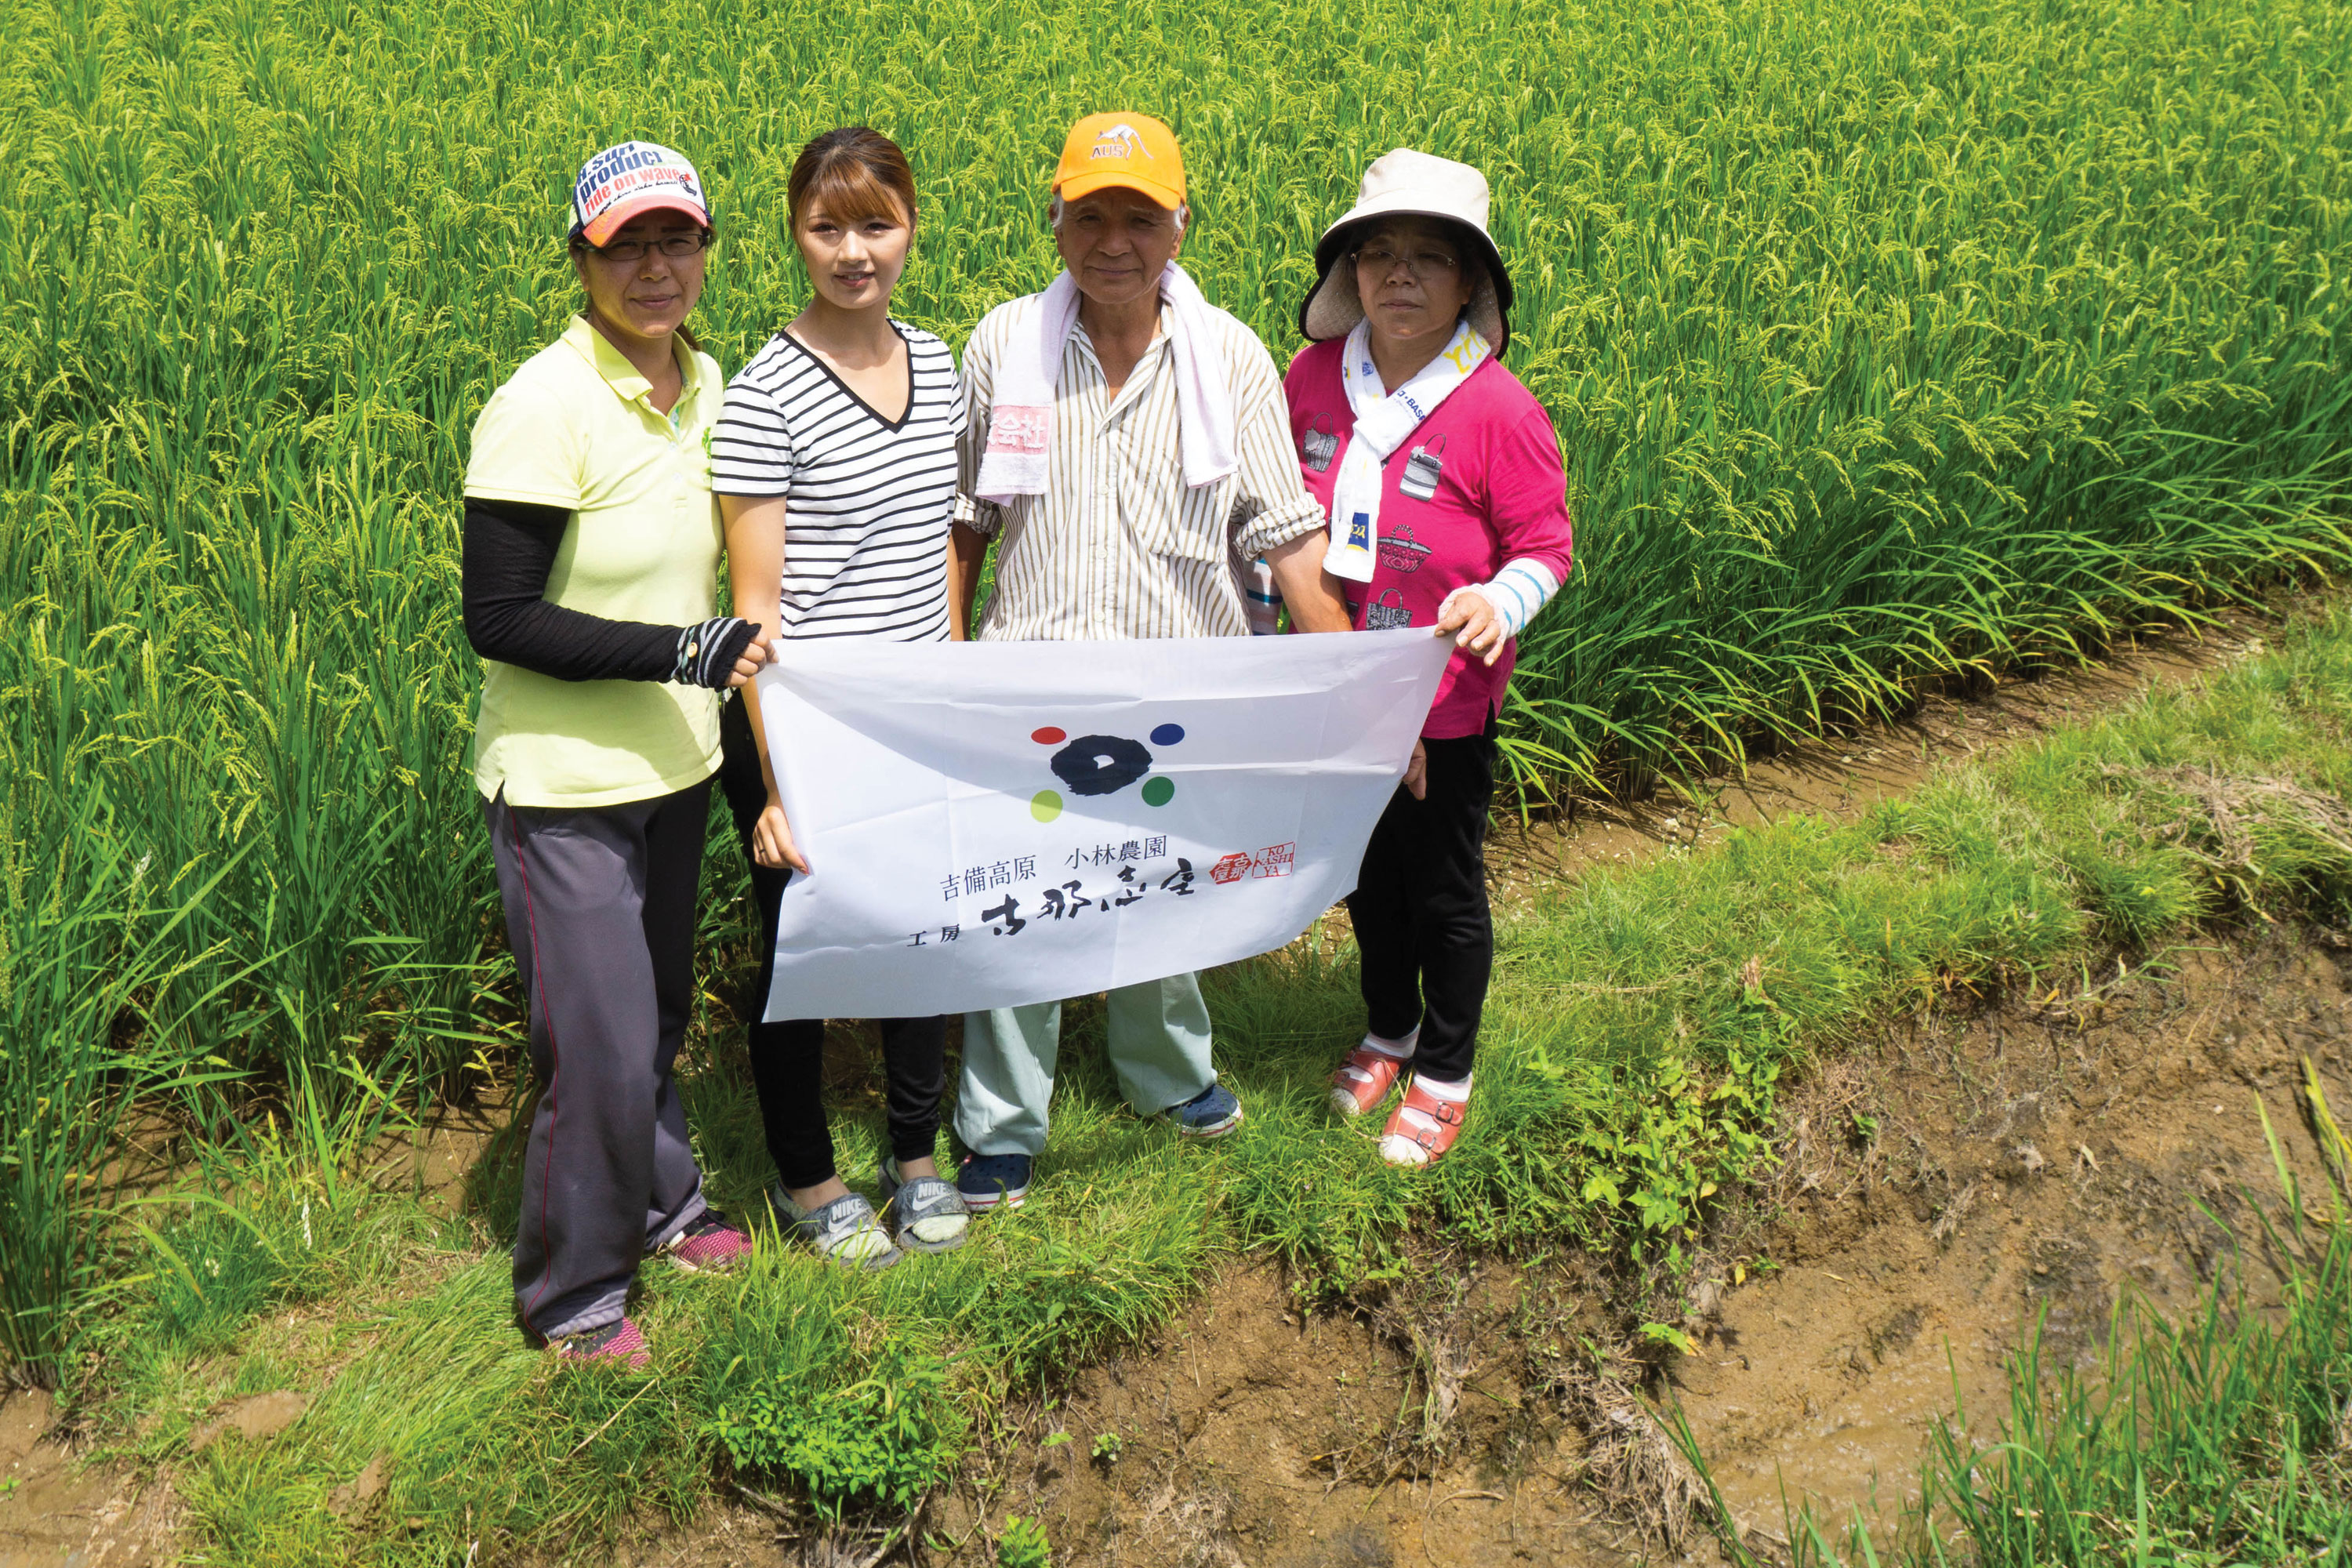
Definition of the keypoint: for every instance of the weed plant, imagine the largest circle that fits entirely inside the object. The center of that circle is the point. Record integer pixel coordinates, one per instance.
(1023, 1544)
(882, 1441)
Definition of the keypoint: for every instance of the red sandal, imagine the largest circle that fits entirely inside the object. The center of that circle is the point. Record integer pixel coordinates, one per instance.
(1364, 1079)
(1422, 1128)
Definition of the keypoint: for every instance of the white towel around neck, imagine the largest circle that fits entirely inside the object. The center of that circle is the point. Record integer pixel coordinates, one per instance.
(1384, 420)
(1020, 414)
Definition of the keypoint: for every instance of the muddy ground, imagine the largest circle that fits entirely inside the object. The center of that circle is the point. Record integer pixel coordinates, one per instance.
(1940, 1192)
(2033, 1163)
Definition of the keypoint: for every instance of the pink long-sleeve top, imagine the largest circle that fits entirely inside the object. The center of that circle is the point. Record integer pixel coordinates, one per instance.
(1501, 495)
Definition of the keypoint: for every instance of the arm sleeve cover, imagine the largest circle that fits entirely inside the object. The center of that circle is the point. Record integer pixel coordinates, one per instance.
(509, 553)
(1518, 591)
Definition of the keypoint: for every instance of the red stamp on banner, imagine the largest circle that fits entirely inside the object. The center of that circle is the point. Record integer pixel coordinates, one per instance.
(1275, 860)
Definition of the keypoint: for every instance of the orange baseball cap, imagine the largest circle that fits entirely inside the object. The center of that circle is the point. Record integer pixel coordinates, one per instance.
(1121, 148)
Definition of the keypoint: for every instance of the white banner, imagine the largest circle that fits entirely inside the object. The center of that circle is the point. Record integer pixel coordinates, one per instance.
(993, 824)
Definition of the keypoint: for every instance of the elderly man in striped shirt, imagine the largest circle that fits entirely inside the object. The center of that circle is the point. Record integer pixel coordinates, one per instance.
(1128, 448)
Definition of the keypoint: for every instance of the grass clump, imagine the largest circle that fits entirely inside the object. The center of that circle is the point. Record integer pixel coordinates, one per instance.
(807, 1386)
(881, 1442)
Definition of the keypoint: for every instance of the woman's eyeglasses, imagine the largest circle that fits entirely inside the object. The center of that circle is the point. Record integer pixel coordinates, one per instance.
(1424, 265)
(675, 246)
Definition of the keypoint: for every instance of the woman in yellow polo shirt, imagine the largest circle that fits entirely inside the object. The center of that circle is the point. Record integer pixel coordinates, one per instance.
(592, 546)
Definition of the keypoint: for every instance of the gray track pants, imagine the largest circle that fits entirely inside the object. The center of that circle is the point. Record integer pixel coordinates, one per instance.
(599, 912)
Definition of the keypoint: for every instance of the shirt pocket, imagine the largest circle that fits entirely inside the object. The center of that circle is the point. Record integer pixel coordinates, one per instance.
(1164, 516)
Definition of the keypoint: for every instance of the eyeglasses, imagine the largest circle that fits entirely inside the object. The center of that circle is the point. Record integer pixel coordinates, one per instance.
(675, 246)
(1424, 265)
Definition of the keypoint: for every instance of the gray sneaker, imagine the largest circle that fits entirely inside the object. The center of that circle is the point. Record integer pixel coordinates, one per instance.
(844, 1231)
(926, 1213)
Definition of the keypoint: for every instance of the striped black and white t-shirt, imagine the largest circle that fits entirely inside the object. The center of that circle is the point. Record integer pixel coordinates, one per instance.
(868, 501)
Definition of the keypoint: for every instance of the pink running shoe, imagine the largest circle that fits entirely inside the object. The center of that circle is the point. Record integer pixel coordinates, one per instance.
(708, 1243)
(620, 1342)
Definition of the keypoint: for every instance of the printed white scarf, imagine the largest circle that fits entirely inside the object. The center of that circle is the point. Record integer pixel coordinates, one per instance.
(1020, 414)
(1384, 420)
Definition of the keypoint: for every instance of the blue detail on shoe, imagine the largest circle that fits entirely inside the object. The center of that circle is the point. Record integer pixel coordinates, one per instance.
(1212, 1113)
(994, 1181)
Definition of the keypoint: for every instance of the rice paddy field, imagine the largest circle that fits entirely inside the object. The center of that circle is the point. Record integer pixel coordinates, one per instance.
(1884, 344)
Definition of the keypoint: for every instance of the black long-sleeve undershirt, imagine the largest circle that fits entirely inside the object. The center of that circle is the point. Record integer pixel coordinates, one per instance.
(510, 554)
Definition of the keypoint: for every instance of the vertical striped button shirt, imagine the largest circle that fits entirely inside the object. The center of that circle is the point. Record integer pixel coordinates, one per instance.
(1117, 546)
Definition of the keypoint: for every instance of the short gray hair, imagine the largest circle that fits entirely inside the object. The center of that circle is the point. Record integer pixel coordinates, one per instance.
(1183, 215)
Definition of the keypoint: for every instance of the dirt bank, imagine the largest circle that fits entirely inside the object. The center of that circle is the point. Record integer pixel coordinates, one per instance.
(1941, 1192)
(2038, 1165)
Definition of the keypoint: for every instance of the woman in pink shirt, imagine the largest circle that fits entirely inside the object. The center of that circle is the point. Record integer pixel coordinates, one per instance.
(1442, 476)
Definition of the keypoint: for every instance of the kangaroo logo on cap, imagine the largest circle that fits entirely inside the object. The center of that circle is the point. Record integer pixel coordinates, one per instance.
(1121, 141)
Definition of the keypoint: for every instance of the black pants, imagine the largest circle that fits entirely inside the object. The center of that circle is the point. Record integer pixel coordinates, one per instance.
(1420, 909)
(787, 1058)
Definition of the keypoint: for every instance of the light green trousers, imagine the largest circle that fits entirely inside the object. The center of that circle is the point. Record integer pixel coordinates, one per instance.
(1159, 1049)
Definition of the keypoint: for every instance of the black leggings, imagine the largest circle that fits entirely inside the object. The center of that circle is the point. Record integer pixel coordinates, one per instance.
(1420, 909)
(787, 1058)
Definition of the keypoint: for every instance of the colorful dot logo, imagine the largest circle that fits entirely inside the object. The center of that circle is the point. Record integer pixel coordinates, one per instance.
(1102, 765)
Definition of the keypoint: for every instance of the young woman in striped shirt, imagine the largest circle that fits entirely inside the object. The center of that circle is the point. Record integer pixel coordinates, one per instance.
(835, 463)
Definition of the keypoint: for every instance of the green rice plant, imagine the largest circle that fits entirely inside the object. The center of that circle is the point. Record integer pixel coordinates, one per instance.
(87, 994)
(1886, 346)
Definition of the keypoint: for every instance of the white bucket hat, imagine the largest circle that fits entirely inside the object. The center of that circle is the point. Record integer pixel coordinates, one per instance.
(1406, 184)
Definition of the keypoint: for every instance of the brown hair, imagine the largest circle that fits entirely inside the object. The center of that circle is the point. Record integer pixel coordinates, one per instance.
(856, 173)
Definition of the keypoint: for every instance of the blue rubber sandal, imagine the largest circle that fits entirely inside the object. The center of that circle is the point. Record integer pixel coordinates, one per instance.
(994, 1181)
(1212, 1113)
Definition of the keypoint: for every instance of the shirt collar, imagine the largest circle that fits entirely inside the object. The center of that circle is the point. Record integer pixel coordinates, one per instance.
(620, 375)
(1160, 340)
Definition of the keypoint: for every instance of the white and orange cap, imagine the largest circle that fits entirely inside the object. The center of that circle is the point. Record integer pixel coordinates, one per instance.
(620, 183)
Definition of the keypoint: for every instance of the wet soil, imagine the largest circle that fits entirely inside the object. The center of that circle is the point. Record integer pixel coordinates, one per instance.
(1941, 1194)
(56, 1514)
